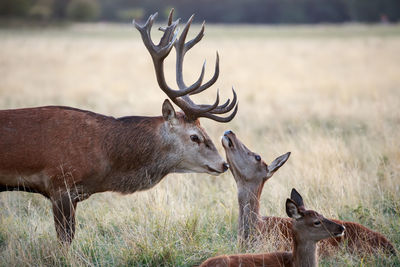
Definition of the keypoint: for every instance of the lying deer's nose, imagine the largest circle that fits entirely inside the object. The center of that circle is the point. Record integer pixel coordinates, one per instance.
(342, 228)
(228, 132)
(225, 166)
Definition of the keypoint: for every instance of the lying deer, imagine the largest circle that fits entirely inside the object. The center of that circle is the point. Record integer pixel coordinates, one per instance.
(308, 227)
(67, 154)
(251, 173)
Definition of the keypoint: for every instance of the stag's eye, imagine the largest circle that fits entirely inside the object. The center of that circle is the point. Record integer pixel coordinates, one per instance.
(257, 157)
(195, 138)
(317, 223)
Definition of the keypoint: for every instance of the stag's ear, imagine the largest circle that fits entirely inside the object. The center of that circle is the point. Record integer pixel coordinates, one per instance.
(292, 210)
(168, 112)
(277, 163)
(297, 198)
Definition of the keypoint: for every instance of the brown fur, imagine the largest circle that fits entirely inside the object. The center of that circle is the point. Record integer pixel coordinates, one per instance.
(357, 238)
(277, 259)
(68, 154)
(305, 235)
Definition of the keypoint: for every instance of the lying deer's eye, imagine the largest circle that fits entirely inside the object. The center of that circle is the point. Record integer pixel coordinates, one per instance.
(317, 223)
(258, 158)
(195, 138)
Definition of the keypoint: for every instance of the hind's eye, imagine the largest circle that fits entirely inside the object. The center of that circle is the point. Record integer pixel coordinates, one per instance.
(317, 223)
(257, 157)
(195, 138)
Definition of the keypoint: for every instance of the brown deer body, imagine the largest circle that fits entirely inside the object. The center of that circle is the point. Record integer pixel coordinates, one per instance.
(68, 154)
(308, 227)
(92, 153)
(251, 173)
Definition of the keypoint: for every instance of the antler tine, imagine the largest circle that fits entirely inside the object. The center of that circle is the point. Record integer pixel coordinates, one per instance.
(180, 54)
(208, 111)
(150, 21)
(171, 14)
(181, 48)
(211, 81)
(194, 86)
(222, 106)
(182, 38)
(221, 119)
(144, 32)
(200, 110)
(194, 111)
(167, 40)
(169, 37)
(160, 52)
(196, 39)
(181, 97)
(225, 108)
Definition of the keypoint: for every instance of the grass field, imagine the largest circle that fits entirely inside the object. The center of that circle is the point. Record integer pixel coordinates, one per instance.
(328, 94)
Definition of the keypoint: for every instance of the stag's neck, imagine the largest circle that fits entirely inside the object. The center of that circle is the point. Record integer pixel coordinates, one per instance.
(304, 253)
(249, 208)
(140, 154)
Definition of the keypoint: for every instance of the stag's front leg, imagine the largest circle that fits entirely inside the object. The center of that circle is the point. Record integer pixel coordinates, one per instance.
(64, 217)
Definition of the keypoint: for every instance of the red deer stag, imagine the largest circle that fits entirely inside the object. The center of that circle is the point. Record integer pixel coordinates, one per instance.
(68, 154)
(308, 226)
(251, 173)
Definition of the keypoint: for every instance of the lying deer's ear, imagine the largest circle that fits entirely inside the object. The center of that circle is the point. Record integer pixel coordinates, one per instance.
(168, 112)
(297, 198)
(292, 210)
(276, 164)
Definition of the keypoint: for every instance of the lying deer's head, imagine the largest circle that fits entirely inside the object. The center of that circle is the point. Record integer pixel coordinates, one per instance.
(196, 151)
(309, 224)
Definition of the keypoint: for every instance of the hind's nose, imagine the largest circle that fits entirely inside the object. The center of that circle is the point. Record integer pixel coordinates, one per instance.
(228, 132)
(225, 166)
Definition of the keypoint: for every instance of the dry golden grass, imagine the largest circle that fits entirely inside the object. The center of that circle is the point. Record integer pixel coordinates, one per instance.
(330, 95)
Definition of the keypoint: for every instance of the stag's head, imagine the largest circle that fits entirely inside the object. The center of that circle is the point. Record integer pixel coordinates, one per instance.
(248, 167)
(194, 147)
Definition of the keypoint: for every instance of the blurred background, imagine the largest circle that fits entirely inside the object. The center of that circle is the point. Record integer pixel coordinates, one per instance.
(222, 11)
(319, 78)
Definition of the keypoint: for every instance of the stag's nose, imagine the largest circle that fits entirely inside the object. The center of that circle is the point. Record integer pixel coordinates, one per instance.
(225, 166)
(228, 132)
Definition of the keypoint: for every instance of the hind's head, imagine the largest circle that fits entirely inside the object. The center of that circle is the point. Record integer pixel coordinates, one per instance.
(247, 166)
(309, 224)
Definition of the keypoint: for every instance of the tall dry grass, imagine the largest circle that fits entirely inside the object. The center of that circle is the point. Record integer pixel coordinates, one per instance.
(328, 94)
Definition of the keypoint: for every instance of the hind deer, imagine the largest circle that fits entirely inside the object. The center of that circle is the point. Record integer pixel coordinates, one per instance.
(308, 227)
(68, 154)
(251, 173)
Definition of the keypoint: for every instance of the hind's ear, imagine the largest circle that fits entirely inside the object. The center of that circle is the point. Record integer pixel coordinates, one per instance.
(168, 112)
(292, 210)
(297, 198)
(277, 163)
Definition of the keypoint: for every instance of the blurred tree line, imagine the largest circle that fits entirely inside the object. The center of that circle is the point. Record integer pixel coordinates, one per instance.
(216, 11)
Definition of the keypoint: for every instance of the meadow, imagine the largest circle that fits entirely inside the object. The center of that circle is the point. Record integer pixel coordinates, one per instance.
(329, 94)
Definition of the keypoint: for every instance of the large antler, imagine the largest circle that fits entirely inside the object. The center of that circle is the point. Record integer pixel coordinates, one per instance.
(181, 97)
